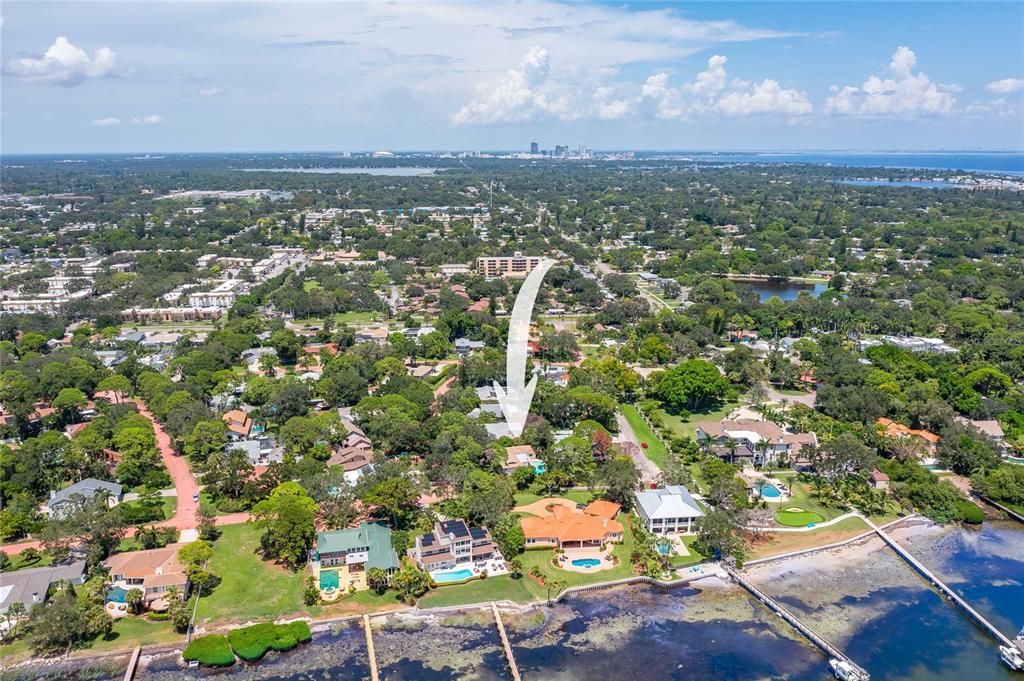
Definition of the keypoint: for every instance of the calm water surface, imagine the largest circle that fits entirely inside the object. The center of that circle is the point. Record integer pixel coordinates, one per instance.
(786, 290)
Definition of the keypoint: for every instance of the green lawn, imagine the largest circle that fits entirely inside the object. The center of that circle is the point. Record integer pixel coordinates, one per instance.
(687, 427)
(341, 318)
(579, 496)
(797, 518)
(310, 285)
(542, 560)
(18, 564)
(170, 506)
(250, 587)
(503, 588)
(802, 495)
(655, 450)
(132, 631)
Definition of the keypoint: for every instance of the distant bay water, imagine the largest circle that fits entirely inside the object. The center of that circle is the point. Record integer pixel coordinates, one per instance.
(1007, 163)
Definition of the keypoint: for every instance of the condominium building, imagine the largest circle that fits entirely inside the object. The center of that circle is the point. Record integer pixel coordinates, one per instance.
(518, 265)
(452, 543)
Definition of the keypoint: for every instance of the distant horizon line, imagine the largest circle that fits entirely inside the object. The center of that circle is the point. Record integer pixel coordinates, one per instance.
(398, 151)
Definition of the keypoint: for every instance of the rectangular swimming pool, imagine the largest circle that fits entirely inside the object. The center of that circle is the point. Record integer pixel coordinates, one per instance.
(329, 579)
(452, 576)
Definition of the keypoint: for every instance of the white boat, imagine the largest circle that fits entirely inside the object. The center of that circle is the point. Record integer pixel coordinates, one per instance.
(1013, 656)
(843, 670)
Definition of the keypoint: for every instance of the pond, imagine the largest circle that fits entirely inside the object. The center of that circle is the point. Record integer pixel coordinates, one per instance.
(786, 290)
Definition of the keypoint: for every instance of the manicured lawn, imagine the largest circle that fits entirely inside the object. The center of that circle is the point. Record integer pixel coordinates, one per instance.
(802, 495)
(358, 603)
(502, 588)
(132, 631)
(784, 542)
(692, 559)
(250, 587)
(310, 285)
(579, 496)
(542, 560)
(687, 427)
(170, 505)
(18, 564)
(655, 451)
(792, 518)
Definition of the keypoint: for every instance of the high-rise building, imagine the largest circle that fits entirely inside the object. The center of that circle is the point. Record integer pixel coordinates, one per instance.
(561, 149)
(534, 148)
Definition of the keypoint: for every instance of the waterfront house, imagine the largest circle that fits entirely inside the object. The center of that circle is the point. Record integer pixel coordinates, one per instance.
(61, 502)
(343, 557)
(668, 510)
(30, 587)
(569, 527)
(758, 442)
(153, 572)
(452, 543)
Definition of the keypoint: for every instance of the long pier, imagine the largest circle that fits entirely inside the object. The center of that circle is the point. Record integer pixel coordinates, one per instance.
(512, 666)
(374, 673)
(941, 586)
(856, 672)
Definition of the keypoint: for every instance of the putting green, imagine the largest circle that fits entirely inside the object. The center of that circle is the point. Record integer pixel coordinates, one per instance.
(794, 516)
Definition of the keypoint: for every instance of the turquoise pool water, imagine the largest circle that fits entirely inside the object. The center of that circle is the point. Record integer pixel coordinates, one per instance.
(453, 576)
(117, 595)
(770, 491)
(329, 579)
(586, 562)
(663, 549)
(540, 467)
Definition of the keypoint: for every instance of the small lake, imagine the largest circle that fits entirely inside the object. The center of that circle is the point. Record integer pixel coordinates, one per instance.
(786, 290)
(391, 172)
(920, 184)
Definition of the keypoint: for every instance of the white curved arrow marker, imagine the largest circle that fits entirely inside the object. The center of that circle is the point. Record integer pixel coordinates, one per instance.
(515, 404)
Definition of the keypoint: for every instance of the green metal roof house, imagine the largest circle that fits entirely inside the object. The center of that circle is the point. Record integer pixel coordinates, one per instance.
(370, 543)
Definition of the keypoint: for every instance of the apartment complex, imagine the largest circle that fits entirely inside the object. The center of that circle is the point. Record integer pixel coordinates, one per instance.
(517, 265)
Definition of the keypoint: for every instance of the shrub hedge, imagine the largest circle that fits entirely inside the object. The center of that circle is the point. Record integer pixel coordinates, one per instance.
(211, 650)
(970, 512)
(252, 643)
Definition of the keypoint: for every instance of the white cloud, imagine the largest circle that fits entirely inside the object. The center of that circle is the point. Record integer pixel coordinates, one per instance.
(210, 92)
(713, 92)
(1006, 86)
(104, 122)
(526, 93)
(904, 93)
(63, 63)
(148, 120)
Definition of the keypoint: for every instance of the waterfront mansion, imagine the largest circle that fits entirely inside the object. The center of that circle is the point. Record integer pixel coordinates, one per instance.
(668, 510)
(453, 543)
(343, 557)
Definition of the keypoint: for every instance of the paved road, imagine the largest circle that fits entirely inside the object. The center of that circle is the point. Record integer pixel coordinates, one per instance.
(184, 482)
(807, 398)
(648, 471)
(185, 487)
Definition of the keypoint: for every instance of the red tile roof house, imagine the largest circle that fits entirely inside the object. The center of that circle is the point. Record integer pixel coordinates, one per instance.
(153, 572)
(896, 430)
(238, 422)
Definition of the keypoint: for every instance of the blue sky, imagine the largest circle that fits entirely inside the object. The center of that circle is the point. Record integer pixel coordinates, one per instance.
(202, 76)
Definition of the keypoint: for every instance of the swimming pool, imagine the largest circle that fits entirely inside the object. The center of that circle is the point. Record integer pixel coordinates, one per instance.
(586, 563)
(117, 595)
(769, 491)
(329, 579)
(663, 548)
(452, 576)
(540, 468)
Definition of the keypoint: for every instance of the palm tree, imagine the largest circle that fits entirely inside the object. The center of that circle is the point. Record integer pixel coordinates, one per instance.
(557, 585)
(133, 599)
(732, 444)
(377, 579)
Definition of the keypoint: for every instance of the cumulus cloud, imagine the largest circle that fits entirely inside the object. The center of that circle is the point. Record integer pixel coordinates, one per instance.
(64, 64)
(713, 92)
(903, 93)
(152, 119)
(104, 122)
(526, 93)
(1005, 86)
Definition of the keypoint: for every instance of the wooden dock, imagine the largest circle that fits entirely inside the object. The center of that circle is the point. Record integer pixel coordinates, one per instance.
(858, 673)
(512, 666)
(374, 673)
(133, 663)
(941, 586)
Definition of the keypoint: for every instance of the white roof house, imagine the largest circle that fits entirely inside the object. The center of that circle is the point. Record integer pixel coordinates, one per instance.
(668, 509)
